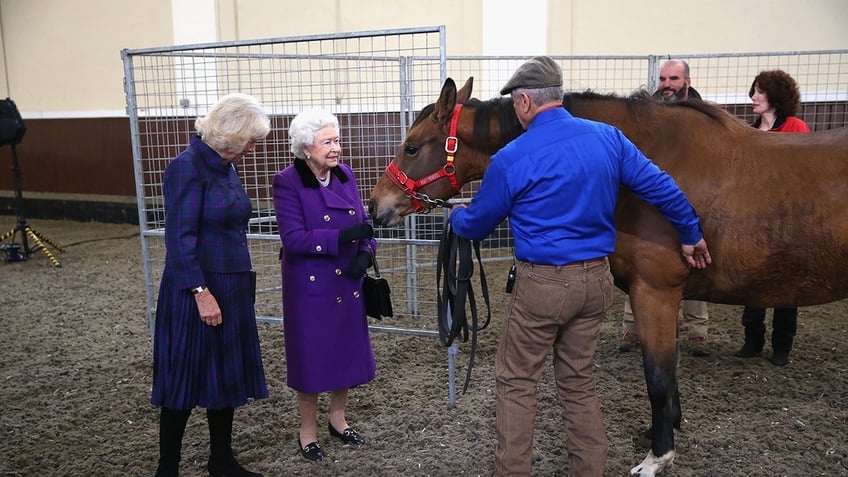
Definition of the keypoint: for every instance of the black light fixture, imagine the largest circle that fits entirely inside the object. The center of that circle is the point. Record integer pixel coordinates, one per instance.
(12, 130)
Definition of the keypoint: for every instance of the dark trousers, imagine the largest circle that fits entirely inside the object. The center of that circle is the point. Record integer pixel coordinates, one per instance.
(784, 324)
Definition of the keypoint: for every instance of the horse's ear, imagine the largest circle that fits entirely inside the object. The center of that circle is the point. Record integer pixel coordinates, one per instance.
(464, 93)
(444, 105)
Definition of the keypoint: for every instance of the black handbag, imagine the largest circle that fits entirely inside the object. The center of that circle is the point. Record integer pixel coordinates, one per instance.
(378, 295)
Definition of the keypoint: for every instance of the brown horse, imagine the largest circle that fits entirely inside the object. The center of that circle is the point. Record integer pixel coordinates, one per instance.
(772, 208)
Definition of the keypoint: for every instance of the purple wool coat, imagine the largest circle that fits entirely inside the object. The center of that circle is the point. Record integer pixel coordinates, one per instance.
(326, 330)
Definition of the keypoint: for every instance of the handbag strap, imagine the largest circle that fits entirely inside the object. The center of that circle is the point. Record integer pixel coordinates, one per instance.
(374, 260)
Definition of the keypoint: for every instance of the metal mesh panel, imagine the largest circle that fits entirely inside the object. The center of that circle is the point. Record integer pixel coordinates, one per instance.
(373, 82)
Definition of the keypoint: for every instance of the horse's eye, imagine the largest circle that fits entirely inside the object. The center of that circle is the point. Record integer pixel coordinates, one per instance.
(411, 150)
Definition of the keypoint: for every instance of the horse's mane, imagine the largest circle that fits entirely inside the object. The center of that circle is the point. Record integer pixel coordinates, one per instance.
(503, 111)
(500, 108)
(642, 99)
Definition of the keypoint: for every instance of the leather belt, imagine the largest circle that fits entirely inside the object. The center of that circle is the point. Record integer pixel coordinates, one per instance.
(580, 264)
(585, 263)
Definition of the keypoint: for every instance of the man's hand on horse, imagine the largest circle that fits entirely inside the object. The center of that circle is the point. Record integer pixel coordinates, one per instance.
(698, 255)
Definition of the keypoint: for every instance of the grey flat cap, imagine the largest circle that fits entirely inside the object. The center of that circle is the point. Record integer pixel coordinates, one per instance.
(539, 72)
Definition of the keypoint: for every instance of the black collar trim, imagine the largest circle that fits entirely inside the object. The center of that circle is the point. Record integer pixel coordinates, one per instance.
(308, 178)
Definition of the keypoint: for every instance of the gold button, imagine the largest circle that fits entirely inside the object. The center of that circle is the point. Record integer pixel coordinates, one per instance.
(326, 218)
(338, 271)
(318, 248)
(311, 278)
(356, 294)
(338, 299)
(351, 212)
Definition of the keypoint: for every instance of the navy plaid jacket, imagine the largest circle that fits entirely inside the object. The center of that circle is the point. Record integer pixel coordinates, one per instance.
(206, 216)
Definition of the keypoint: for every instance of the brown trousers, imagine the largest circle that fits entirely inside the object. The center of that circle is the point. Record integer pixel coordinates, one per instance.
(559, 308)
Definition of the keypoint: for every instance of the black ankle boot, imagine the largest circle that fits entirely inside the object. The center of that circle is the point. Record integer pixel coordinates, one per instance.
(749, 350)
(223, 466)
(785, 327)
(222, 463)
(755, 339)
(166, 470)
(780, 358)
(780, 347)
(172, 425)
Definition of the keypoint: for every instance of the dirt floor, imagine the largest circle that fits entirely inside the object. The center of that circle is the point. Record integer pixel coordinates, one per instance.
(75, 369)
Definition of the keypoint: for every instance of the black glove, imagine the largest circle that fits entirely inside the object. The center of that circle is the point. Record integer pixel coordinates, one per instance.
(358, 266)
(358, 231)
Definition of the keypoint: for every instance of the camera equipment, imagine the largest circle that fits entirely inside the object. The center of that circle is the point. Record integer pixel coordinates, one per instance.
(12, 130)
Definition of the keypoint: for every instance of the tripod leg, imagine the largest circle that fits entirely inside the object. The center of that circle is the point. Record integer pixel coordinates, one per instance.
(45, 239)
(40, 245)
(8, 234)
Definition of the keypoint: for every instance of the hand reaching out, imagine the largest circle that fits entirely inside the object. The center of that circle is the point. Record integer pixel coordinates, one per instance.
(698, 255)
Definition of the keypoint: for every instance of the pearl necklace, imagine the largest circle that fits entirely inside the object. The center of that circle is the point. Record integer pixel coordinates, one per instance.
(324, 182)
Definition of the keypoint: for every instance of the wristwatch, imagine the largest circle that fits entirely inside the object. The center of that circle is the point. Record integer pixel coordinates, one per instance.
(198, 290)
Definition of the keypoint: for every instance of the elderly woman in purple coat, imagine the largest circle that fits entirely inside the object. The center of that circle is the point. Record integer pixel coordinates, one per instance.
(325, 236)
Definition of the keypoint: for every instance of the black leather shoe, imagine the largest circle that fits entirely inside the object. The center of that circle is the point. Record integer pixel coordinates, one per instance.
(312, 451)
(349, 436)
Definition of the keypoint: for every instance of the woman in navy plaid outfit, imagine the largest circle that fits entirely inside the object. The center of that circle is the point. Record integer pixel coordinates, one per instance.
(206, 347)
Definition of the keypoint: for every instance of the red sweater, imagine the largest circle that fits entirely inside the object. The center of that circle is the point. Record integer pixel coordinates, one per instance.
(792, 124)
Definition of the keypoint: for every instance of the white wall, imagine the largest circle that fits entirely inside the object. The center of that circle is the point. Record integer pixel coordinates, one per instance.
(61, 58)
(64, 55)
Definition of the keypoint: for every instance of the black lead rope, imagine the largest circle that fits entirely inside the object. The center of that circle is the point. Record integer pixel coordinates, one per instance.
(454, 290)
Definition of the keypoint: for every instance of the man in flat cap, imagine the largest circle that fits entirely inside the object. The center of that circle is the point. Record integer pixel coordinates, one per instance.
(558, 184)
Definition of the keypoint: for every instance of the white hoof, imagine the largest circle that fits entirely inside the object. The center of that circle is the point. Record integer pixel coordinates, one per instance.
(653, 465)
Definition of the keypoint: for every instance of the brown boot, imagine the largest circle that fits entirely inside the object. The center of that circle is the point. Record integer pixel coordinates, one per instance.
(698, 347)
(628, 342)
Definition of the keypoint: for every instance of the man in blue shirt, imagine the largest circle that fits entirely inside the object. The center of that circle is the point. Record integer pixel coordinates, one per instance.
(558, 184)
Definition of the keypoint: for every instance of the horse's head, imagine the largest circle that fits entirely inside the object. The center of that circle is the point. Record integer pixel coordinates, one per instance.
(425, 170)
(441, 153)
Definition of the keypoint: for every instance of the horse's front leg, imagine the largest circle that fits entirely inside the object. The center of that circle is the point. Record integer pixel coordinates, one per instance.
(656, 322)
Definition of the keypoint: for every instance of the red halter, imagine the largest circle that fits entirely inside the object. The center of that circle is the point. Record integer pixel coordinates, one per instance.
(410, 187)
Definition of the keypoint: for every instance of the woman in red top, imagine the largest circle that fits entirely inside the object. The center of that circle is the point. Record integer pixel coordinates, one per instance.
(775, 99)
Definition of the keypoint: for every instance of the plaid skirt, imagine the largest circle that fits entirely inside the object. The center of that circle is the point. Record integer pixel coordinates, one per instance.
(195, 364)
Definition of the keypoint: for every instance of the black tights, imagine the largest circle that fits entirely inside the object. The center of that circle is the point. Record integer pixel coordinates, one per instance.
(172, 424)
